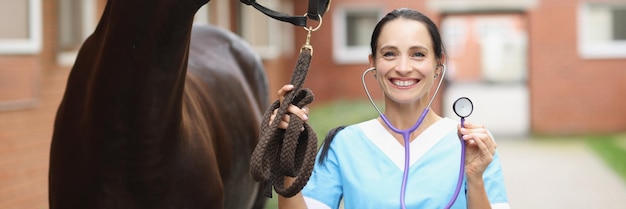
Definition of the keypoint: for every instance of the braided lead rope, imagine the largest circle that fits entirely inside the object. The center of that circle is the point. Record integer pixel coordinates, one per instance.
(289, 152)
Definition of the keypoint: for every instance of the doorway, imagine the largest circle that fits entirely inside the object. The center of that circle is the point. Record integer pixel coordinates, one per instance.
(488, 62)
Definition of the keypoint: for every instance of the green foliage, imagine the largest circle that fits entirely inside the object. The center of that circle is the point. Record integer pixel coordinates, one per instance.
(272, 203)
(343, 112)
(612, 149)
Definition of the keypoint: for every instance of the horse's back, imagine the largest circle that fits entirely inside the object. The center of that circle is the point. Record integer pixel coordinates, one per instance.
(221, 50)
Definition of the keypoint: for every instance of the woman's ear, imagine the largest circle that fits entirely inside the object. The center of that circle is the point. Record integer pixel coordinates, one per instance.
(440, 66)
(372, 64)
(438, 70)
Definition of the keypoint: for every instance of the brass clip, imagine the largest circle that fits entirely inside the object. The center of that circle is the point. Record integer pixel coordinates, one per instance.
(307, 43)
(310, 29)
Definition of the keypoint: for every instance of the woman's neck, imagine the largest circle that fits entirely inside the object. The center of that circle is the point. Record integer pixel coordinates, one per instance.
(405, 116)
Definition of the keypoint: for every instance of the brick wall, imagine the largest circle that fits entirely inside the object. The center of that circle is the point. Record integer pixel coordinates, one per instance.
(18, 81)
(571, 95)
(330, 81)
(25, 133)
(568, 94)
(25, 144)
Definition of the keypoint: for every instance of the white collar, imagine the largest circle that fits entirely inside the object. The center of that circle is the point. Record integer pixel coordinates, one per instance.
(378, 135)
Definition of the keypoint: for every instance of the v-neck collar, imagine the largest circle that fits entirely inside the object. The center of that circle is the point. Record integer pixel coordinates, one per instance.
(378, 135)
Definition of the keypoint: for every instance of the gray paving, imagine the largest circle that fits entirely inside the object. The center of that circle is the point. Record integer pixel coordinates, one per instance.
(556, 174)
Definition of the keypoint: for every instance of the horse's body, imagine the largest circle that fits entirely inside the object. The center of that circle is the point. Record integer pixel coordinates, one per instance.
(149, 122)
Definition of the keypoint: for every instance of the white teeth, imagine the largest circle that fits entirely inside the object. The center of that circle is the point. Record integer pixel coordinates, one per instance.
(404, 83)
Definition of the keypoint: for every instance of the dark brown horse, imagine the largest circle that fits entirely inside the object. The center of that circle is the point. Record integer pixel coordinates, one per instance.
(149, 122)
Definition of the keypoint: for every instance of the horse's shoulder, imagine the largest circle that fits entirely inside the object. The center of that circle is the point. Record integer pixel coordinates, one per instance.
(208, 35)
(214, 49)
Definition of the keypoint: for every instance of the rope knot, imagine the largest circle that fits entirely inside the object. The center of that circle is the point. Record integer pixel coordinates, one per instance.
(286, 152)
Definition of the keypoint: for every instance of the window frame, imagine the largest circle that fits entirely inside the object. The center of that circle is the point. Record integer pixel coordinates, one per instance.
(32, 44)
(275, 33)
(89, 22)
(590, 50)
(342, 53)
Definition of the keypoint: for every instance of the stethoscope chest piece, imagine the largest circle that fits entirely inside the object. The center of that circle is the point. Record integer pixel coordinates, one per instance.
(463, 107)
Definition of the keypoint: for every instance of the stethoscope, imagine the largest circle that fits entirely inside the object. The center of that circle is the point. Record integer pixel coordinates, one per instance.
(463, 107)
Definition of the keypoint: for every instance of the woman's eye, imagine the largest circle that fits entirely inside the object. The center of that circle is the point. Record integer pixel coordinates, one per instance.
(388, 54)
(419, 54)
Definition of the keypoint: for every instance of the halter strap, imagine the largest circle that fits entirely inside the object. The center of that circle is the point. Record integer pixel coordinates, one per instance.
(317, 8)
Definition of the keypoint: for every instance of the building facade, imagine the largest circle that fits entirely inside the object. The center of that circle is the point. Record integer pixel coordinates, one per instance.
(531, 66)
(534, 66)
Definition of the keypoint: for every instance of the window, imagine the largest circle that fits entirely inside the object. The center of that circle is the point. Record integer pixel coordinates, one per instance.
(215, 13)
(601, 30)
(486, 47)
(263, 33)
(20, 30)
(77, 20)
(352, 31)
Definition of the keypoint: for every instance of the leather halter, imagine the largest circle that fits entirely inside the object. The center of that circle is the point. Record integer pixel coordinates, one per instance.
(316, 10)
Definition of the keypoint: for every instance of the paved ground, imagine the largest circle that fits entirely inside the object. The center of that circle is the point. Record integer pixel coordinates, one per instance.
(555, 174)
(550, 174)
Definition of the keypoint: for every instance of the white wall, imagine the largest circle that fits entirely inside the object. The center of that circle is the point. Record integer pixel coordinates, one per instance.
(503, 109)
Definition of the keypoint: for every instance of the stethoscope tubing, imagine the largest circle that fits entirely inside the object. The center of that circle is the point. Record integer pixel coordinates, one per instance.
(457, 190)
(406, 134)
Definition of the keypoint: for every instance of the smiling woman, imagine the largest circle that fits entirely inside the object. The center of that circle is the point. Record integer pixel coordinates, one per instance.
(407, 58)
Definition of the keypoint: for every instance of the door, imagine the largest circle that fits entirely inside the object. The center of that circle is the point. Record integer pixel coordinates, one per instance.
(488, 62)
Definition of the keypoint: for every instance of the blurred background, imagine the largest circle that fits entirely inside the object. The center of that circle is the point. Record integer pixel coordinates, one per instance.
(547, 77)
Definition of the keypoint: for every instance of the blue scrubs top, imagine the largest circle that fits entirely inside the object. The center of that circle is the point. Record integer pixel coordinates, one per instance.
(365, 165)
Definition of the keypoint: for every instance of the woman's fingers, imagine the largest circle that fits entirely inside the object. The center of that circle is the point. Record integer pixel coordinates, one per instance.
(475, 126)
(283, 123)
(302, 113)
(478, 134)
(480, 147)
(483, 141)
(282, 91)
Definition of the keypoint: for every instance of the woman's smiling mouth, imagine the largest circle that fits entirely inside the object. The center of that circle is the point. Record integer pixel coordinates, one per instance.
(404, 82)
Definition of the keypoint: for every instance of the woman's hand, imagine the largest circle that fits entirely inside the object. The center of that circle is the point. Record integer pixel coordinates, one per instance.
(297, 201)
(302, 113)
(480, 149)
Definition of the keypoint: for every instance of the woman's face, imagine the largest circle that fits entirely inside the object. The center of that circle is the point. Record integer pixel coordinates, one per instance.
(405, 60)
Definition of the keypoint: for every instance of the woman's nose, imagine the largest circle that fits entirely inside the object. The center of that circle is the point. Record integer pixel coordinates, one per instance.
(402, 66)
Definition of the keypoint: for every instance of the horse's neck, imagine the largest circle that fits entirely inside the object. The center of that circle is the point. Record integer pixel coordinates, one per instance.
(144, 39)
(132, 69)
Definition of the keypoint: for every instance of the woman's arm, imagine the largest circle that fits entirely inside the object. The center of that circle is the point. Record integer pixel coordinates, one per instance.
(476, 194)
(295, 202)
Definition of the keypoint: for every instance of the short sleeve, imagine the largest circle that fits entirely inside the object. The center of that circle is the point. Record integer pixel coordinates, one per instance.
(325, 186)
(494, 184)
